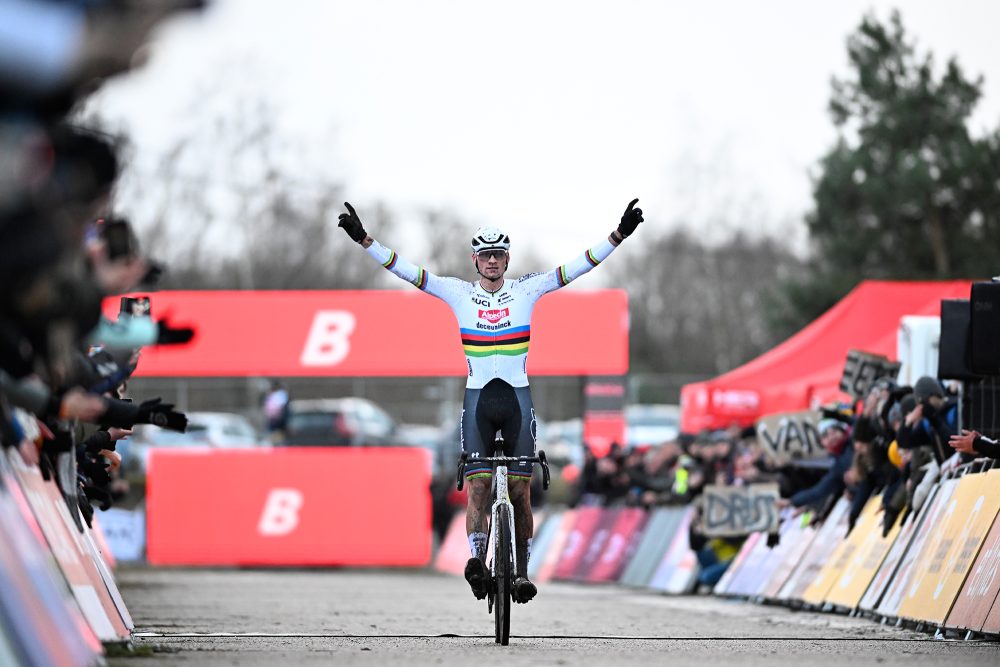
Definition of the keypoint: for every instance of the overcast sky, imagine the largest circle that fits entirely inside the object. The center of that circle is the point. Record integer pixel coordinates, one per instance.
(542, 117)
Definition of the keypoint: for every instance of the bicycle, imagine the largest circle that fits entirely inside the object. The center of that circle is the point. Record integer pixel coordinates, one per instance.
(501, 535)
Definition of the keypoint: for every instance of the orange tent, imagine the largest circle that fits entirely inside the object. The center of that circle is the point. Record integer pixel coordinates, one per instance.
(805, 370)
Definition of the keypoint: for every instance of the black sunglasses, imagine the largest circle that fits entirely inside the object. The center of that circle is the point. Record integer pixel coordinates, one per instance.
(487, 254)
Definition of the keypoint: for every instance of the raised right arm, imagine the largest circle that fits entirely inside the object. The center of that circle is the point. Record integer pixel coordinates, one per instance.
(447, 289)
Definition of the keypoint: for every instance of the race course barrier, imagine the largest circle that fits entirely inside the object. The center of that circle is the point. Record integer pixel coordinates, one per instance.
(938, 568)
(289, 506)
(58, 598)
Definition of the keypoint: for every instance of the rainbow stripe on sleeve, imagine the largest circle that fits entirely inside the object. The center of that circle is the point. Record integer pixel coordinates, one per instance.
(421, 280)
(561, 275)
(512, 342)
(592, 258)
(391, 262)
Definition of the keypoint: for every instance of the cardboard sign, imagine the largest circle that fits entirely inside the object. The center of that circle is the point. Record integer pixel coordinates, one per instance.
(864, 369)
(289, 506)
(732, 511)
(791, 436)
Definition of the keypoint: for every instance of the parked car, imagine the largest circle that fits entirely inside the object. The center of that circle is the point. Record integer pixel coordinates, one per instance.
(424, 436)
(562, 441)
(338, 422)
(651, 424)
(204, 430)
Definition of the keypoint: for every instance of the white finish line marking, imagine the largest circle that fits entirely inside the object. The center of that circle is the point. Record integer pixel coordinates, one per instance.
(238, 635)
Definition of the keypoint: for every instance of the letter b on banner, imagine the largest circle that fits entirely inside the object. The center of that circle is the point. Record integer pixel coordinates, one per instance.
(281, 512)
(329, 338)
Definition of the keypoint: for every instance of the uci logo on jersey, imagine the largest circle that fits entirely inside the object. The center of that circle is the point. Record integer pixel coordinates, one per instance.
(480, 301)
(495, 315)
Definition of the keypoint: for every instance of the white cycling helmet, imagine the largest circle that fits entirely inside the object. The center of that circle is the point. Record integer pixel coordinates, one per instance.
(490, 238)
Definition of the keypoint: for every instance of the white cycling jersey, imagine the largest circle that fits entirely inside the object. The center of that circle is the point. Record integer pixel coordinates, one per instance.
(495, 326)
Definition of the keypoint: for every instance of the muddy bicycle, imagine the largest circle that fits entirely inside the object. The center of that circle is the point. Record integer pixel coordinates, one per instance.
(501, 535)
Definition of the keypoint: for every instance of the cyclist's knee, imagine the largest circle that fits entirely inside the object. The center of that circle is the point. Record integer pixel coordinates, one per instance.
(519, 489)
(479, 490)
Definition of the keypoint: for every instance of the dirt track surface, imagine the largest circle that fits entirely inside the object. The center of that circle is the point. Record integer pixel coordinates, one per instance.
(374, 617)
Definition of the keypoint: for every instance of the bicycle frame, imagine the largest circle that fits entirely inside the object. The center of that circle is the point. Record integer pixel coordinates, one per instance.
(501, 497)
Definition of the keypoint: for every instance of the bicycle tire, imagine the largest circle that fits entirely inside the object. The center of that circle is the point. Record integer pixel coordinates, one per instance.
(502, 559)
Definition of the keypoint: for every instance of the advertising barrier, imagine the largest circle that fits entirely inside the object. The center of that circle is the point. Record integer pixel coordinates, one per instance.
(544, 534)
(453, 552)
(585, 524)
(621, 544)
(944, 565)
(289, 506)
(979, 594)
(827, 537)
(654, 541)
(906, 575)
(550, 558)
(595, 544)
(890, 564)
(65, 543)
(798, 539)
(356, 333)
(678, 570)
(34, 597)
(863, 556)
(992, 624)
(732, 572)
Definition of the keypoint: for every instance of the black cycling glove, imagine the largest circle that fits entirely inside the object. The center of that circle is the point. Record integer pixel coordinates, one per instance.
(161, 414)
(352, 224)
(171, 336)
(97, 441)
(96, 471)
(155, 411)
(630, 219)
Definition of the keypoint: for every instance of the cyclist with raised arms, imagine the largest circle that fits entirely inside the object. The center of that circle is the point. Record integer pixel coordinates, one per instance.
(494, 319)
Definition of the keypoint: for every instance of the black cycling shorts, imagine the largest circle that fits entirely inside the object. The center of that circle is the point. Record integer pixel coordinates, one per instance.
(498, 407)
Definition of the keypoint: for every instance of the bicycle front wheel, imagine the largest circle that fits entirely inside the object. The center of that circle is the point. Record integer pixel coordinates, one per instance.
(502, 559)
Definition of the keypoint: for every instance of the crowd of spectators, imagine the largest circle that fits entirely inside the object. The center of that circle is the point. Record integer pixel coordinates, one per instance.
(64, 365)
(897, 442)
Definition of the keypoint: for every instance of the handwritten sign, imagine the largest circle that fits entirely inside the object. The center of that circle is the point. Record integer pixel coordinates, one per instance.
(729, 511)
(790, 436)
(863, 369)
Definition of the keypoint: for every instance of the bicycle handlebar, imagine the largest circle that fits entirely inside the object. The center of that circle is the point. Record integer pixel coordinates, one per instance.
(503, 460)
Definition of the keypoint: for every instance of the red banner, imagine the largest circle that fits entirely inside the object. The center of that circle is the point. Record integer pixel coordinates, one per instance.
(371, 333)
(289, 506)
